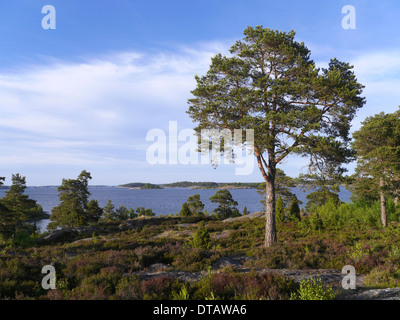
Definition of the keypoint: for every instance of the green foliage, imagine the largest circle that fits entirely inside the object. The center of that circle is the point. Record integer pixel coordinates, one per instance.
(283, 188)
(226, 205)
(16, 200)
(16, 208)
(109, 213)
(140, 185)
(269, 84)
(8, 222)
(313, 289)
(320, 197)
(187, 184)
(357, 252)
(294, 210)
(73, 194)
(185, 211)
(383, 276)
(245, 211)
(122, 213)
(377, 146)
(183, 293)
(280, 210)
(195, 205)
(143, 212)
(93, 211)
(201, 238)
(232, 285)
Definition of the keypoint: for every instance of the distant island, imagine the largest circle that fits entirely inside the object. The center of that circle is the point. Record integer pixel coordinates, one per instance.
(212, 185)
(189, 184)
(192, 185)
(140, 185)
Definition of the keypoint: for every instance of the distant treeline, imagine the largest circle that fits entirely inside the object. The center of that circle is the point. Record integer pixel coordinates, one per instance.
(210, 185)
(140, 185)
(187, 184)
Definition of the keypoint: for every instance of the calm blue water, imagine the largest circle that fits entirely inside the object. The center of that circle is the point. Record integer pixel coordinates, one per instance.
(161, 201)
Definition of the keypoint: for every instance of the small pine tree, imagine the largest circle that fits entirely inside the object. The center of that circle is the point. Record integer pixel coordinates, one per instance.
(201, 238)
(195, 205)
(294, 210)
(226, 204)
(122, 213)
(185, 211)
(93, 211)
(143, 212)
(109, 212)
(132, 213)
(280, 210)
(245, 211)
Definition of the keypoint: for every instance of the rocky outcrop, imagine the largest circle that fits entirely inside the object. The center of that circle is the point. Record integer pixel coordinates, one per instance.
(372, 294)
(247, 216)
(67, 233)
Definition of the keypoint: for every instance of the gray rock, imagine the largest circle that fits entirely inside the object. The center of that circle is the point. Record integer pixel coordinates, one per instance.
(373, 294)
(55, 235)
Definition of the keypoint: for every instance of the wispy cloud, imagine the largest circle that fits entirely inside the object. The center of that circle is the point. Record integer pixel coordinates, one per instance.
(97, 110)
(380, 73)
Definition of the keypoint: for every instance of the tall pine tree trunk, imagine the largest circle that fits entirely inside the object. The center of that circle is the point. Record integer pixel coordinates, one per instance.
(270, 226)
(383, 204)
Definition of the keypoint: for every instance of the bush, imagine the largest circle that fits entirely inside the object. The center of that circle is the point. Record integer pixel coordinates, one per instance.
(313, 289)
(159, 288)
(201, 238)
(383, 276)
(250, 286)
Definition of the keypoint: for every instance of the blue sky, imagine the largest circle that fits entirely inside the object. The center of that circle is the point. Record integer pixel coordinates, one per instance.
(84, 96)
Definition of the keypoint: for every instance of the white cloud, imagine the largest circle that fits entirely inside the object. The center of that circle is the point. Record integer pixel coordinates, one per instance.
(380, 73)
(96, 111)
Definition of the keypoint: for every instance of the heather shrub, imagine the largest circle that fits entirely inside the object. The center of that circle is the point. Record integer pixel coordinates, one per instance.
(251, 286)
(87, 291)
(383, 276)
(89, 264)
(267, 287)
(128, 288)
(193, 259)
(11, 288)
(159, 288)
(108, 278)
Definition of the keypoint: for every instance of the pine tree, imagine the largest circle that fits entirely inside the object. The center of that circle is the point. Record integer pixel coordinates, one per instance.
(109, 213)
(93, 211)
(18, 202)
(226, 205)
(245, 211)
(269, 84)
(280, 210)
(294, 210)
(195, 205)
(377, 146)
(185, 211)
(73, 195)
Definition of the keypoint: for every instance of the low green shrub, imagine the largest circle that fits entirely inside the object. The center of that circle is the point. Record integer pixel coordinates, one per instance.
(313, 289)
